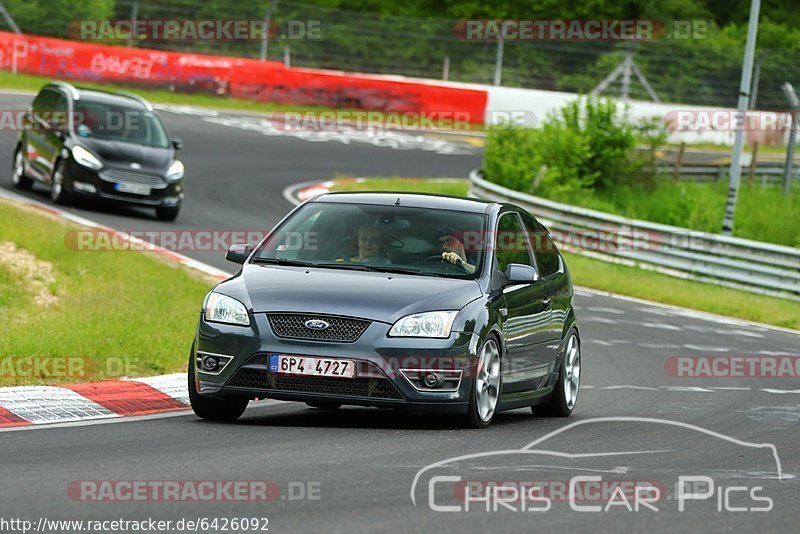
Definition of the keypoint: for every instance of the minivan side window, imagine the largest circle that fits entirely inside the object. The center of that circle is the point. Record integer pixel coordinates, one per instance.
(45, 104)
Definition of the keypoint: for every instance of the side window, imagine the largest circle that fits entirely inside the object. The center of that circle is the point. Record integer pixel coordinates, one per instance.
(301, 242)
(544, 249)
(59, 119)
(44, 105)
(511, 244)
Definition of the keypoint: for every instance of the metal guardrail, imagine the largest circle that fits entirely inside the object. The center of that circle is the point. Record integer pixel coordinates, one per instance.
(772, 172)
(729, 261)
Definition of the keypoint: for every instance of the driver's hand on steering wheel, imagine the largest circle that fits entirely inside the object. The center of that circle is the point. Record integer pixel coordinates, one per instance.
(455, 259)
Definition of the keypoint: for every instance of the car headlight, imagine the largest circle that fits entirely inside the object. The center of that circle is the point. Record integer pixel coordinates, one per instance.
(86, 158)
(175, 171)
(428, 324)
(224, 309)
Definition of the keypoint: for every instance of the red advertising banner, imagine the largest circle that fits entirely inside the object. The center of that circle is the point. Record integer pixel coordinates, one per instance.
(234, 77)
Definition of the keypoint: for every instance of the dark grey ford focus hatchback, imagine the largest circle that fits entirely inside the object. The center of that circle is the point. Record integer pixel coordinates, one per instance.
(417, 302)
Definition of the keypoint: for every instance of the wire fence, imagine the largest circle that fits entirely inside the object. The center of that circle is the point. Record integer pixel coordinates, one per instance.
(696, 71)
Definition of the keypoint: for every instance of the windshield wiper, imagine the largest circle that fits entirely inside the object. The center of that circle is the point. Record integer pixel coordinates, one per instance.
(279, 261)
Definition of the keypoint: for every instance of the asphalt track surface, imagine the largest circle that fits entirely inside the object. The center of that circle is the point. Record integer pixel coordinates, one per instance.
(362, 463)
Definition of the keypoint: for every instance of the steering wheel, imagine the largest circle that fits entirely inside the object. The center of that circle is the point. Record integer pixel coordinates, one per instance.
(447, 264)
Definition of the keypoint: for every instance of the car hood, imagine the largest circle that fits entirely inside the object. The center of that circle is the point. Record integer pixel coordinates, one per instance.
(120, 154)
(376, 296)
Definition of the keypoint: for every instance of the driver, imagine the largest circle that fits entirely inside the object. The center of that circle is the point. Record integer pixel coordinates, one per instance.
(453, 249)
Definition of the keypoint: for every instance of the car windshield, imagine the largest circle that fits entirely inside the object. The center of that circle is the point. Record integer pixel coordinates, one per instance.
(394, 239)
(102, 120)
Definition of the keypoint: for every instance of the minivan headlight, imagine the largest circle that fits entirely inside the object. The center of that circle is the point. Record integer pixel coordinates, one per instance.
(86, 158)
(428, 324)
(221, 308)
(175, 171)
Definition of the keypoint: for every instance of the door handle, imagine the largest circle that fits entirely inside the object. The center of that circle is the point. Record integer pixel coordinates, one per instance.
(504, 312)
(547, 302)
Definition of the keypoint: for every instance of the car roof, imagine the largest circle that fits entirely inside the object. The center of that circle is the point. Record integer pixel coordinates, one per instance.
(98, 95)
(413, 200)
(106, 97)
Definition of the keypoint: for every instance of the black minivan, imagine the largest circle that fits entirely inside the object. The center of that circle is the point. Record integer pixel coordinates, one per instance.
(91, 143)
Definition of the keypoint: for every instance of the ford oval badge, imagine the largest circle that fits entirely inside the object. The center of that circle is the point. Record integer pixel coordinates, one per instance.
(317, 324)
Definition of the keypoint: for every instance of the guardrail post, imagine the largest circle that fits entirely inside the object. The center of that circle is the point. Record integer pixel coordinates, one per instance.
(676, 174)
(752, 171)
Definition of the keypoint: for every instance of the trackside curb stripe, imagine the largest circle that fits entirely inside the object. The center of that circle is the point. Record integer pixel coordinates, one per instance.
(127, 397)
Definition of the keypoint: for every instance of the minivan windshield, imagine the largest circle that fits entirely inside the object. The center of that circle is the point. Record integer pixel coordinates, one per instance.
(112, 122)
(395, 239)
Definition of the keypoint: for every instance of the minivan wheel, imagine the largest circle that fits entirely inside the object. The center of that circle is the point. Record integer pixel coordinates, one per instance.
(18, 178)
(59, 191)
(565, 396)
(168, 214)
(210, 408)
(486, 386)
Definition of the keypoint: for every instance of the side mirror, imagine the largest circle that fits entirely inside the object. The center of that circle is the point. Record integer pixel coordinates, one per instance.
(238, 253)
(177, 144)
(517, 273)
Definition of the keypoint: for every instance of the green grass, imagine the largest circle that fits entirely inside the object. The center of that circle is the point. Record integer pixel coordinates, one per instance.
(120, 306)
(763, 212)
(454, 187)
(650, 285)
(725, 150)
(625, 280)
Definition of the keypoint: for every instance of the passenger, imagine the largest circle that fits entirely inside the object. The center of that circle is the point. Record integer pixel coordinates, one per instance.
(453, 249)
(371, 246)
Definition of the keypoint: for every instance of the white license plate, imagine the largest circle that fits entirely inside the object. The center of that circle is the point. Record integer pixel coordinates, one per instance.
(303, 365)
(136, 189)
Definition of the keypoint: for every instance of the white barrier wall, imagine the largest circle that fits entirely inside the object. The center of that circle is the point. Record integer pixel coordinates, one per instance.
(531, 108)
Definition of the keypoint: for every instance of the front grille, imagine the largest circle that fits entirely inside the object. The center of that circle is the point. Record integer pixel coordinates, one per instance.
(374, 388)
(138, 178)
(292, 325)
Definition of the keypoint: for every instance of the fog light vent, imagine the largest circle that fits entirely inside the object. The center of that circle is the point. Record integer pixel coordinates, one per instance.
(437, 381)
(210, 363)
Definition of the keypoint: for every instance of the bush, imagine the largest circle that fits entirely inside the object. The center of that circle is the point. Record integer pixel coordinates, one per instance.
(585, 145)
(511, 158)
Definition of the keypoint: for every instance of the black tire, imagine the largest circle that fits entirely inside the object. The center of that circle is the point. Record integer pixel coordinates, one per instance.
(59, 186)
(18, 178)
(210, 408)
(558, 406)
(168, 214)
(473, 418)
(324, 405)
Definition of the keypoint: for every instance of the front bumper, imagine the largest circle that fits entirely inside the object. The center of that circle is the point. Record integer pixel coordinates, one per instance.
(105, 186)
(379, 359)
